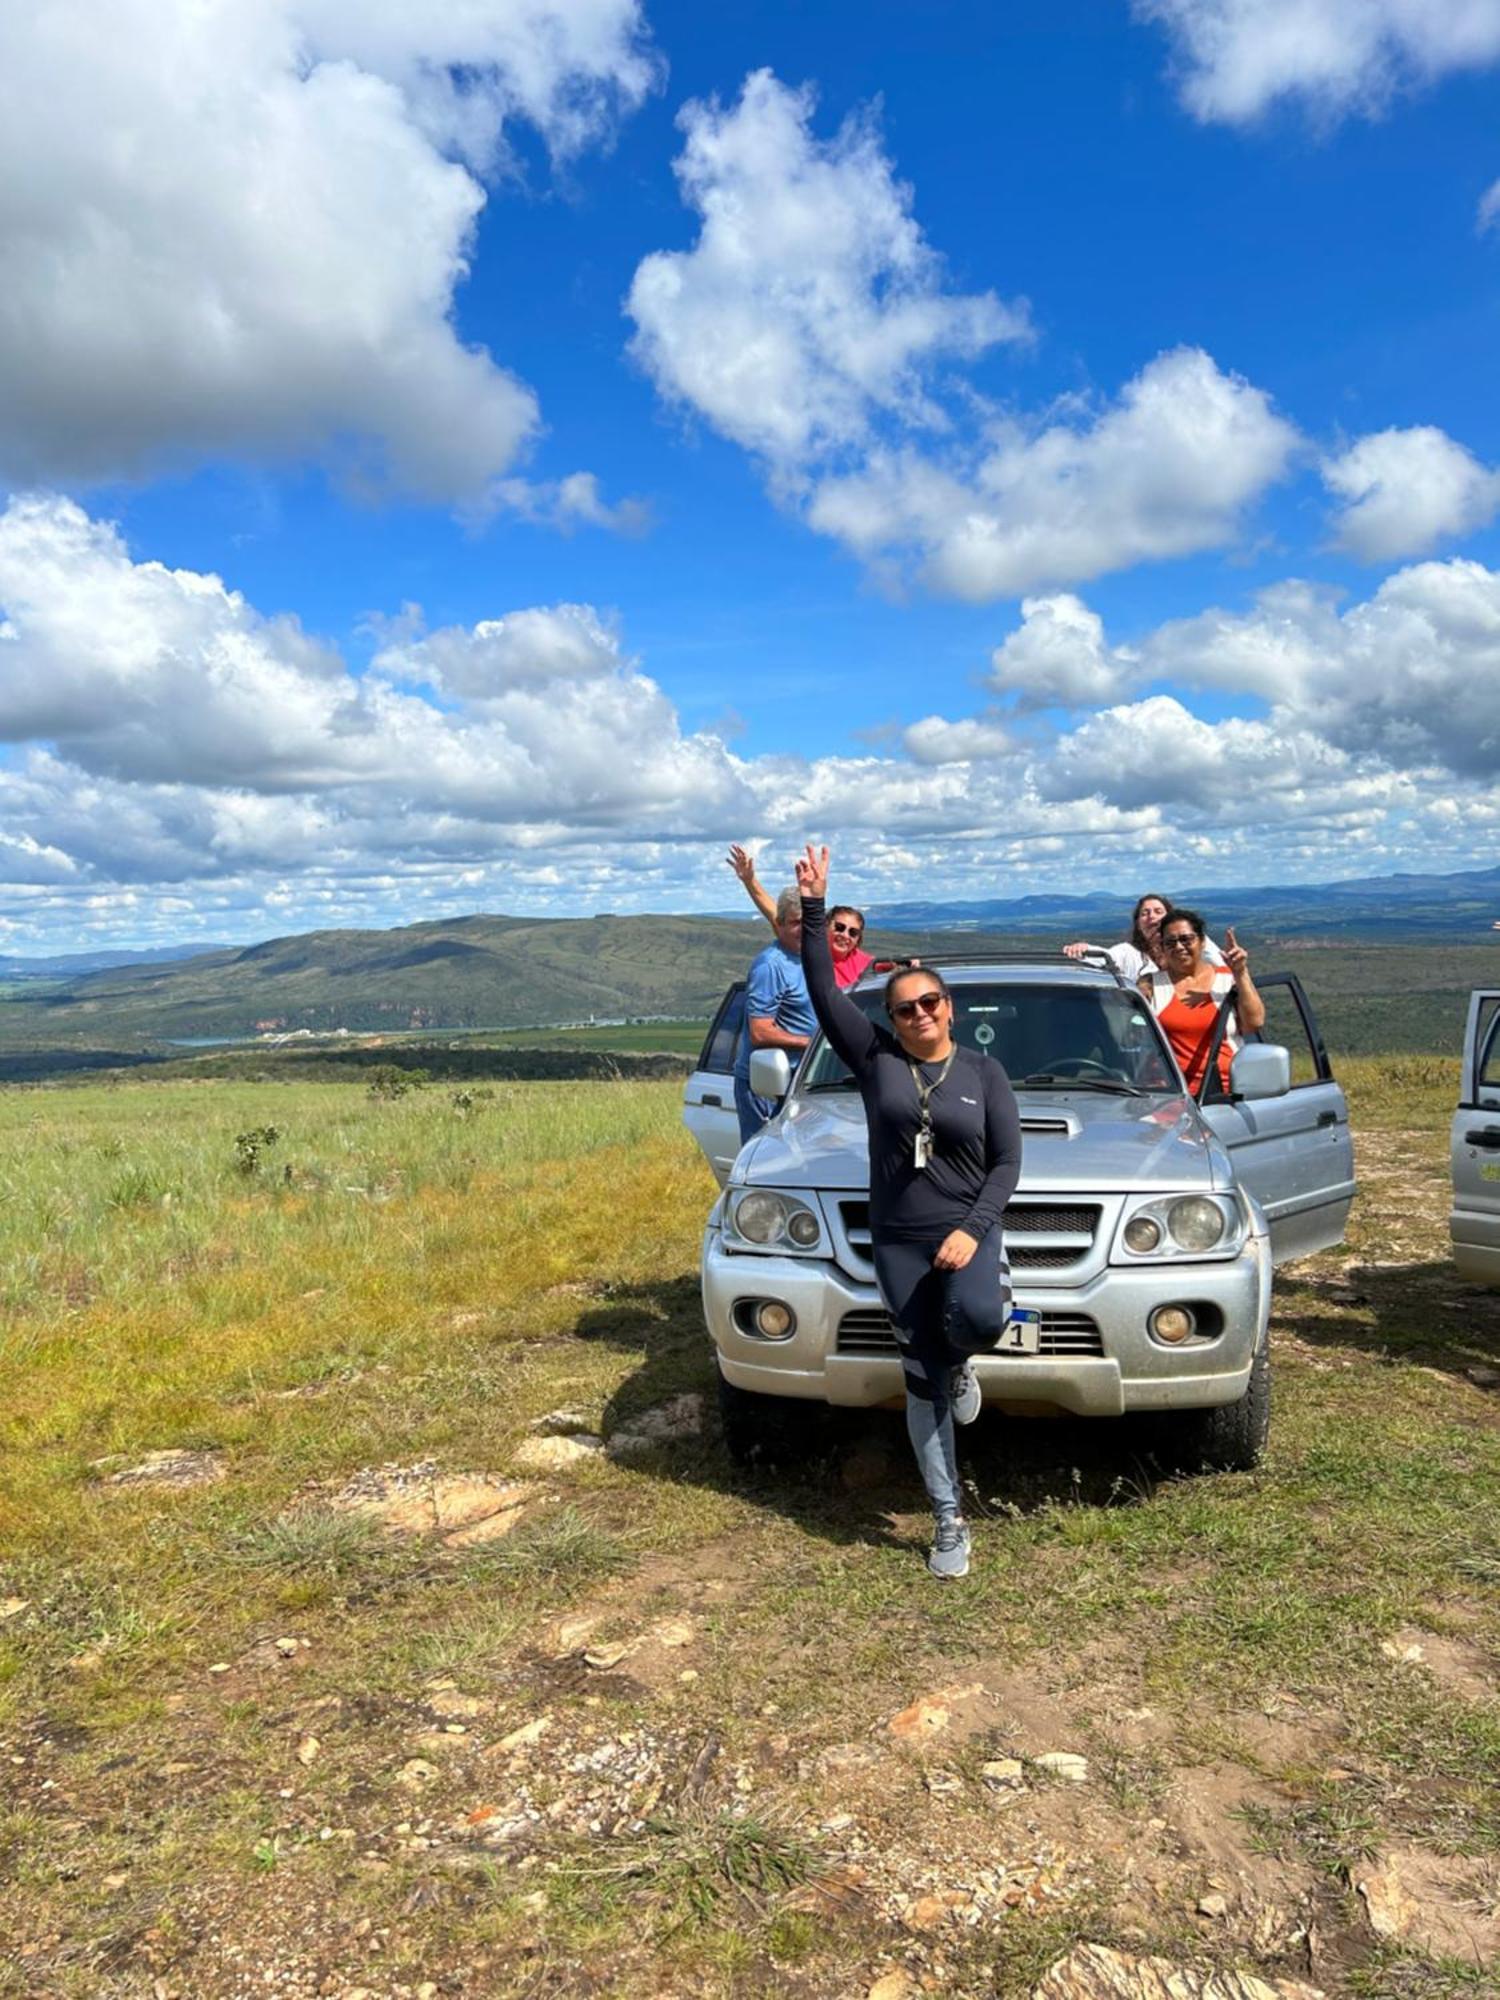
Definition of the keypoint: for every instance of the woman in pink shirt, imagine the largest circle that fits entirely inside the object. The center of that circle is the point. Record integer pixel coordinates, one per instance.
(846, 926)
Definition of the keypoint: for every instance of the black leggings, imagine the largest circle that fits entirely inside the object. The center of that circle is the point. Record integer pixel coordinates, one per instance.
(941, 1318)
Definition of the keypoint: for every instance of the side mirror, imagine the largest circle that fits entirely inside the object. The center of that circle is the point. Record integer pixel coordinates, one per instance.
(770, 1073)
(1261, 1069)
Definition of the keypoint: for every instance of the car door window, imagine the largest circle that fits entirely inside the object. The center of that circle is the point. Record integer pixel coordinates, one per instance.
(1290, 1022)
(721, 1045)
(1488, 1067)
(1287, 1023)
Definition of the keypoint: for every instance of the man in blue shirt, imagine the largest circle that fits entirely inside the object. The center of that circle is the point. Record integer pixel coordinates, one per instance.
(778, 1012)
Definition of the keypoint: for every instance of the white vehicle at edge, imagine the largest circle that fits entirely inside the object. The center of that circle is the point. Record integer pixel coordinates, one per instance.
(1141, 1238)
(1474, 1223)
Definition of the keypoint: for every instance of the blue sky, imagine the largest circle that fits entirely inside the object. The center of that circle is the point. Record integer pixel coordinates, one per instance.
(490, 456)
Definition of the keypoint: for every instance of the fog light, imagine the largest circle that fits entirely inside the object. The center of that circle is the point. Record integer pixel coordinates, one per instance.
(1172, 1323)
(1142, 1234)
(773, 1320)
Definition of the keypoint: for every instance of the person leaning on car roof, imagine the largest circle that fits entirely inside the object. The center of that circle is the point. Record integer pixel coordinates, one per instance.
(1139, 955)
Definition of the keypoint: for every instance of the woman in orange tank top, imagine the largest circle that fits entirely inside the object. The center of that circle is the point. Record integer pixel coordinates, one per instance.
(1186, 994)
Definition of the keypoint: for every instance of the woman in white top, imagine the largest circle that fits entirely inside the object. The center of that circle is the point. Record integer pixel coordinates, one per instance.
(1140, 954)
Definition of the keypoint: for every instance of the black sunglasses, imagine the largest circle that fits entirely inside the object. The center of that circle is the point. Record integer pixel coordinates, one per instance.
(846, 930)
(929, 1003)
(1179, 937)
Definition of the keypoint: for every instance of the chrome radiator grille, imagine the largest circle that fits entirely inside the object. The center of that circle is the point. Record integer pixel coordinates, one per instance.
(1039, 1236)
(868, 1330)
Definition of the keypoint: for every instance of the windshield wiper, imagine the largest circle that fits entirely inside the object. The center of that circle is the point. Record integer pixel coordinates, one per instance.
(833, 1083)
(1046, 1079)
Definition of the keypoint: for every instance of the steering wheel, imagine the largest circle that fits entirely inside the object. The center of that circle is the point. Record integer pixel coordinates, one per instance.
(1078, 1065)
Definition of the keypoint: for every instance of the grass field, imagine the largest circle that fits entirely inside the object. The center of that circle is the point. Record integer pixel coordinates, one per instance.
(641, 1744)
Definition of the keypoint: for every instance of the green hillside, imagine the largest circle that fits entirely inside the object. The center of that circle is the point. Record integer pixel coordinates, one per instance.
(489, 973)
(469, 973)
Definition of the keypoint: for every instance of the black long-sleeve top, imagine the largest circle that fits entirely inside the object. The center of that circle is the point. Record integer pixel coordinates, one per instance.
(976, 1128)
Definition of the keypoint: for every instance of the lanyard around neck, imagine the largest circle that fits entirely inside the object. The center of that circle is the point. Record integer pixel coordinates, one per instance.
(925, 1090)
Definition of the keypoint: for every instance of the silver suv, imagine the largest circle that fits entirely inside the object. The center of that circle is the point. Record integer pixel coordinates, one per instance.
(1141, 1238)
(1475, 1146)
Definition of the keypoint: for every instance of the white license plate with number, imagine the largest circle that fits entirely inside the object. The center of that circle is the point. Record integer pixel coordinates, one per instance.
(1023, 1334)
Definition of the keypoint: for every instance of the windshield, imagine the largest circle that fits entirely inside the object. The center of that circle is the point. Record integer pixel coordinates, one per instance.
(1049, 1037)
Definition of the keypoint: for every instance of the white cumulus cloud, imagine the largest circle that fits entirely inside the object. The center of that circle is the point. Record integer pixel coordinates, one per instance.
(811, 300)
(237, 227)
(808, 322)
(936, 740)
(1058, 657)
(1238, 57)
(174, 745)
(1405, 490)
(1167, 469)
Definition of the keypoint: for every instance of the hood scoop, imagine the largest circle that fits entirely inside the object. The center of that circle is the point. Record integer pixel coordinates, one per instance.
(1051, 1124)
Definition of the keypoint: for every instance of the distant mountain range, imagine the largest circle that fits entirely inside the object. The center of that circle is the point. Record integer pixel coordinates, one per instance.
(72, 964)
(494, 972)
(1375, 906)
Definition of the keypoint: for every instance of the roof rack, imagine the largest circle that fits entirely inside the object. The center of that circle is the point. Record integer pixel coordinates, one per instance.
(1094, 956)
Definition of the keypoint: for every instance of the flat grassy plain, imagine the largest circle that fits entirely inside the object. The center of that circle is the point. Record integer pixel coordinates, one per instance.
(641, 1744)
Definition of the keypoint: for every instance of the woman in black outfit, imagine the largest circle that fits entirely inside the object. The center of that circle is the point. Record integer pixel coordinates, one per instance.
(945, 1156)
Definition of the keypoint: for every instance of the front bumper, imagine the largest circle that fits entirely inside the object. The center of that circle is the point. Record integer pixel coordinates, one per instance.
(1132, 1373)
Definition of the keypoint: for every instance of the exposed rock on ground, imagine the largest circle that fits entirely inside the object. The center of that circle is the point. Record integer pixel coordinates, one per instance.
(556, 1454)
(463, 1508)
(174, 1467)
(1094, 1972)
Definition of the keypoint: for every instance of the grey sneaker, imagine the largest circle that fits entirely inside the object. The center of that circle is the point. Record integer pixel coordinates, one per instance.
(963, 1390)
(949, 1557)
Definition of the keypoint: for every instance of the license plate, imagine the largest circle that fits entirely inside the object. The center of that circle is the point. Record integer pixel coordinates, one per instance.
(1023, 1334)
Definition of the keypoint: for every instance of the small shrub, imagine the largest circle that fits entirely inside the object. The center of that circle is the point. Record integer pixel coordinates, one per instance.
(250, 1146)
(390, 1080)
(468, 1100)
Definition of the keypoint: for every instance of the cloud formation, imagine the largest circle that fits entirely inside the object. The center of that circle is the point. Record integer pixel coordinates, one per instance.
(238, 228)
(808, 322)
(182, 758)
(1236, 58)
(1406, 490)
(811, 301)
(1167, 469)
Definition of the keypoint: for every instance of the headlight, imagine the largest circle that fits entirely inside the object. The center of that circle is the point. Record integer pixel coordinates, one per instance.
(1177, 1226)
(1142, 1234)
(1196, 1224)
(766, 1219)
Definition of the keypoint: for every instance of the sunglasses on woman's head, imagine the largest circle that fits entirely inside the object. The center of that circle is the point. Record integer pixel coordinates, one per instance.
(846, 930)
(928, 1003)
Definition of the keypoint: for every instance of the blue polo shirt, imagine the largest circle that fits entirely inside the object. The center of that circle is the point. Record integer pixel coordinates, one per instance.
(776, 991)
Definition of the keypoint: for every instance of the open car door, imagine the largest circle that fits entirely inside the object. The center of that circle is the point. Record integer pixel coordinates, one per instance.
(1474, 1223)
(1293, 1152)
(708, 1099)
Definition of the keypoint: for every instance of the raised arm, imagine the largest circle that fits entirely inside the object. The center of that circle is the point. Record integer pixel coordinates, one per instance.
(1248, 1004)
(743, 864)
(853, 1035)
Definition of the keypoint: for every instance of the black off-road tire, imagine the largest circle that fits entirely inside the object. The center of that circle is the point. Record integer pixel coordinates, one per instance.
(1232, 1437)
(765, 1431)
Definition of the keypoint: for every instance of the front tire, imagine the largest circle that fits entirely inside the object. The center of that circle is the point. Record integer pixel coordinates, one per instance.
(763, 1431)
(1231, 1438)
